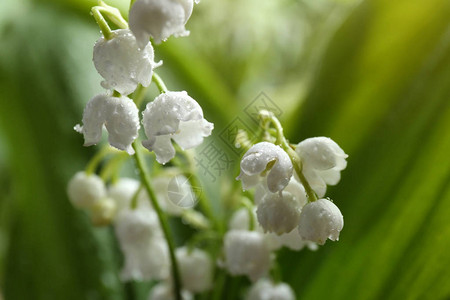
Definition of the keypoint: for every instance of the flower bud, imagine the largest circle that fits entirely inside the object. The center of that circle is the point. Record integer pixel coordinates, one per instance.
(165, 291)
(259, 158)
(103, 212)
(320, 220)
(246, 253)
(85, 191)
(122, 64)
(173, 115)
(159, 19)
(265, 289)
(196, 269)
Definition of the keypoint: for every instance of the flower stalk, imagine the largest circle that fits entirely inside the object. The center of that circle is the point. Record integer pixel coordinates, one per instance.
(162, 220)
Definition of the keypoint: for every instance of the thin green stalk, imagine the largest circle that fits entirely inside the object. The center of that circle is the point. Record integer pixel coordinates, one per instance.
(159, 83)
(139, 94)
(162, 219)
(296, 161)
(95, 161)
(104, 27)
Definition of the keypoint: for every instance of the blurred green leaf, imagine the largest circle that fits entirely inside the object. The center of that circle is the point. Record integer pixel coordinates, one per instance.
(382, 93)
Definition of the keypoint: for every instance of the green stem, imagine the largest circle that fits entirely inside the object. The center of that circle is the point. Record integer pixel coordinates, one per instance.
(113, 14)
(139, 94)
(251, 216)
(296, 161)
(95, 161)
(162, 219)
(159, 83)
(104, 27)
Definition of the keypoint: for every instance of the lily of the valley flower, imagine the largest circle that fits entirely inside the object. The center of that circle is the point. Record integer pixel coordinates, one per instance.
(320, 220)
(159, 19)
(257, 160)
(120, 117)
(323, 160)
(164, 291)
(265, 289)
(85, 190)
(246, 253)
(122, 64)
(173, 115)
(196, 269)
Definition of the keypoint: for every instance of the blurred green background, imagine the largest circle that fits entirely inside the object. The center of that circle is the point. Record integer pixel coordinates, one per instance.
(374, 75)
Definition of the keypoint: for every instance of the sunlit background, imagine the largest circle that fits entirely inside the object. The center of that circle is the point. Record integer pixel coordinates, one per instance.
(372, 75)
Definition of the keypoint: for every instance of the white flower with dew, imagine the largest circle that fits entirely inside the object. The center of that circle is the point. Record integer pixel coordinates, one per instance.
(322, 160)
(159, 19)
(122, 64)
(320, 220)
(258, 159)
(246, 253)
(196, 269)
(264, 289)
(120, 117)
(85, 190)
(173, 116)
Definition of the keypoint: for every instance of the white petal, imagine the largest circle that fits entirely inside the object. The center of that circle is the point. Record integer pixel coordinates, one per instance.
(318, 153)
(159, 19)
(331, 177)
(163, 148)
(122, 64)
(93, 119)
(320, 220)
(196, 269)
(255, 161)
(279, 212)
(246, 253)
(122, 122)
(191, 133)
(265, 289)
(85, 191)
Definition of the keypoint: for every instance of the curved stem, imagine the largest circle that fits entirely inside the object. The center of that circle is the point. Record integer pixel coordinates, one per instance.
(268, 117)
(159, 83)
(162, 219)
(104, 27)
(139, 94)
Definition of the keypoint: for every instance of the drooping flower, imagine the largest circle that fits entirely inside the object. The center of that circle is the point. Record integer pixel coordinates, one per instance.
(320, 220)
(122, 64)
(261, 158)
(196, 269)
(173, 116)
(159, 19)
(246, 253)
(120, 117)
(323, 160)
(280, 212)
(174, 194)
(267, 290)
(85, 190)
(294, 241)
(103, 212)
(145, 250)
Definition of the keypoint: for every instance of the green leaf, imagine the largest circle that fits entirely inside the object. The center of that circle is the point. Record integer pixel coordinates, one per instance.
(383, 94)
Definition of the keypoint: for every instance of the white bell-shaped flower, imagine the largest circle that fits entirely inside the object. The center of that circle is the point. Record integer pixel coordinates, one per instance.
(246, 253)
(159, 19)
(267, 290)
(145, 250)
(173, 115)
(320, 220)
(174, 194)
(119, 115)
(294, 241)
(103, 212)
(278, 212)
(258, 159)
(323, 160)
(165, 291)
(196, 269)
(85, 190)
(122, 63)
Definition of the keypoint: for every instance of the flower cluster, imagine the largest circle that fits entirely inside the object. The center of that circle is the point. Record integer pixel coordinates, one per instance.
(289, 181)
(287, 211)
(125, 60)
